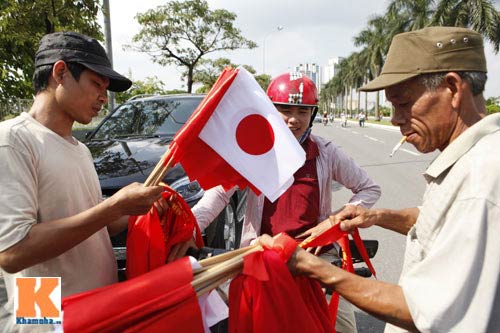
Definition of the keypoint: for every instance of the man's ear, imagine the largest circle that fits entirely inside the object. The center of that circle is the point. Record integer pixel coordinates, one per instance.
(456, 86)
(59, 70)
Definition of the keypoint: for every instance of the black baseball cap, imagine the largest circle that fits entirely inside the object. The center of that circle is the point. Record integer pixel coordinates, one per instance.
(82, 49)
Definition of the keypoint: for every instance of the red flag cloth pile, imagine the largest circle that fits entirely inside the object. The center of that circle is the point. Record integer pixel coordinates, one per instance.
(150, 239)
(335, 234)
(160, 301)
(236, 137)
(266, 298)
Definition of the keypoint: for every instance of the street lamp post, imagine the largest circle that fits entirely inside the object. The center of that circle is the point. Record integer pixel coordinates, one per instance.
(278, 29)
(109, 48)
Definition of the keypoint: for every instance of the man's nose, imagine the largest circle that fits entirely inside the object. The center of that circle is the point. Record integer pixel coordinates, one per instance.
(103, 97)
(398, 118)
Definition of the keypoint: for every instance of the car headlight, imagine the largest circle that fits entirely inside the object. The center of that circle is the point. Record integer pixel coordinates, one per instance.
(190, 191)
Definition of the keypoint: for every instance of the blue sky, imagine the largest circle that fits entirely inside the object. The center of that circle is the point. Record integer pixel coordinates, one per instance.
(314, 31)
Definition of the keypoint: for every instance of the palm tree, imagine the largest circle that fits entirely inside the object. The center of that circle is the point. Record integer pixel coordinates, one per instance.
(410, 14)
(364, 63)
(376, 39)
(337, 87)
(345, 75)
(358, 73)
(479, 15)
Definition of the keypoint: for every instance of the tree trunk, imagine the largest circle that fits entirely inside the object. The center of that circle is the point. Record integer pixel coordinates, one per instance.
(350, 106)
(190, 80)
(359, 102)
(377, 110)
(366, 104)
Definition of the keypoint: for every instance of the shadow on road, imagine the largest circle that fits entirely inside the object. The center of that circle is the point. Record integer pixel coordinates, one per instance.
(368, 324)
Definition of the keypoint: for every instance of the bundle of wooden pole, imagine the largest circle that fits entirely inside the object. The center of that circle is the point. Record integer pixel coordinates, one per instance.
(160, 170)
(218, 269)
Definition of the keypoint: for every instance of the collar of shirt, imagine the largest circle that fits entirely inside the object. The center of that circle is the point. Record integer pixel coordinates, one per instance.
(462, 144)
(305, 135)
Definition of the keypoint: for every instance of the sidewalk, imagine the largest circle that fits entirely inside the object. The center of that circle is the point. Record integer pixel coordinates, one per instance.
(355, 123)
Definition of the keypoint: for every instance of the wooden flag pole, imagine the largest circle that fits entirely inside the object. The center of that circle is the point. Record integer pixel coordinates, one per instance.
(161, 173)
(160, 168)
(231, 274)
(222, 271)
(224, 256)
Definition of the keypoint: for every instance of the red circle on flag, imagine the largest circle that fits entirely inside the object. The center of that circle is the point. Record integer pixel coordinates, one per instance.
(255, 135)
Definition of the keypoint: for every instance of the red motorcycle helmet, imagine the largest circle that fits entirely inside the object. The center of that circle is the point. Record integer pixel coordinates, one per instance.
(294, 89)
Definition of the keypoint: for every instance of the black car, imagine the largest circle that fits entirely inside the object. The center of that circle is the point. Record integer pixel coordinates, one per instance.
(130, 141)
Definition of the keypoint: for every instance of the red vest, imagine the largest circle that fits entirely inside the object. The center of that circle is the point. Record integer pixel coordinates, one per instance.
(296, 210)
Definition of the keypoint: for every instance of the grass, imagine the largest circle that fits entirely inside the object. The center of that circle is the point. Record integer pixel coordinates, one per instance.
(9, 116)
(382, 122)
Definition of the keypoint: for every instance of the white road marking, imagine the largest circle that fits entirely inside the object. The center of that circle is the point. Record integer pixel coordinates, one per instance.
(354, 132)
(410, 152)
(373, 139)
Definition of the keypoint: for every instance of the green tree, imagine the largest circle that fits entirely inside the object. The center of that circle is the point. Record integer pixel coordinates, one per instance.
(376, 39)
(150, 86)
(263, 80)
(407, 15)
(479, 15)
(208, 70)
(23, 23)
(182, 32)
(493, 105)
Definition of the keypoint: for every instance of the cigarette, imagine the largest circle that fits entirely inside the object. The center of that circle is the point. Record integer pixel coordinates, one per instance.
(399, 144)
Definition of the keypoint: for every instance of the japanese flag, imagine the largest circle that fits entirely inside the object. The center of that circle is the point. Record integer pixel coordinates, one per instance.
(240, 139)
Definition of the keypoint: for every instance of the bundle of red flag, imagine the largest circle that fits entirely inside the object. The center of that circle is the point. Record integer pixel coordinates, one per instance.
(159, 301)
(266, 298)
(335, 234)
(150, 238)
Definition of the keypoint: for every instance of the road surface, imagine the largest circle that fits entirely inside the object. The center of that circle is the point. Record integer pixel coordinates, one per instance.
(402, 183)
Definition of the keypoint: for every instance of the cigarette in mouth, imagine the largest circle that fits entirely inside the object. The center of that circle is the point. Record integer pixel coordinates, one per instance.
(399, 144)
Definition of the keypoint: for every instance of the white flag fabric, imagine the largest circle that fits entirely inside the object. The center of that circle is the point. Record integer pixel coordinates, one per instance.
(248, 132)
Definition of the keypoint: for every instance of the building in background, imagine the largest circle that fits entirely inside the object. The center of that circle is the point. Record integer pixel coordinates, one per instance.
(331, 69)
(311, 70)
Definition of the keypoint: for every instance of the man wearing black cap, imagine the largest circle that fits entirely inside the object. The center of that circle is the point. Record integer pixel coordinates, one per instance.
(450, 282)
(52, 218)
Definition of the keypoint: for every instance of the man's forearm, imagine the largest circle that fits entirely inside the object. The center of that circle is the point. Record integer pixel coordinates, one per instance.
(400, 221)
(382, 300)
(118, 226)
(49, 239)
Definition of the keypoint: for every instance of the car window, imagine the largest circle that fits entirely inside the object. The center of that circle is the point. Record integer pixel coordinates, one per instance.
(162, 117)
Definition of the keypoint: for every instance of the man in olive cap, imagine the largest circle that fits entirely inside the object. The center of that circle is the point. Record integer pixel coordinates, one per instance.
(52, 217)
(450, 281)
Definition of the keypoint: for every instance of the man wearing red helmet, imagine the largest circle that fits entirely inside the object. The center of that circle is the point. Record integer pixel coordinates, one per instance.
(309, 200)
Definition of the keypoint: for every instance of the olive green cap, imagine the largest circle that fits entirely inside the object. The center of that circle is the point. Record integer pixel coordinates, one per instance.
(430, 50)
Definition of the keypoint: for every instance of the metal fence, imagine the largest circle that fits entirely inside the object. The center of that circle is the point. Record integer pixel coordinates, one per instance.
(14, 108)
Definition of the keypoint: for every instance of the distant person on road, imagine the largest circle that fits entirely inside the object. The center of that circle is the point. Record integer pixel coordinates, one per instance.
(434, 78)
(52, 217)
(330, 118)
(361, 118)
(325, 118)
(309, 199)
(343, 119)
